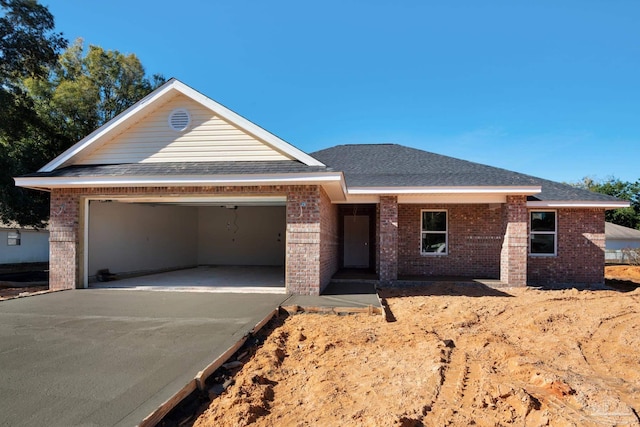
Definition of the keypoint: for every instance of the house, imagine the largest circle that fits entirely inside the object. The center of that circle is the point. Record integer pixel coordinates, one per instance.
(619, 237)
(179, 180)
(622, 244)
(23, 244)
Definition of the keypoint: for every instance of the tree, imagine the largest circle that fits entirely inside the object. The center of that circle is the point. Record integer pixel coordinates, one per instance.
(53, 103)
(630, 191)
(28, 47)
(87, 89)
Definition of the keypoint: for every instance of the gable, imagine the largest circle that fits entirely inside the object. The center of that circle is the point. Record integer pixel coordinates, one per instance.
(208, 137)
(139, 135)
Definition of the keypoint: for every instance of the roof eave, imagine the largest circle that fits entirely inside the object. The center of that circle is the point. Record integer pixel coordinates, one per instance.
(599, 204)
(506, 190)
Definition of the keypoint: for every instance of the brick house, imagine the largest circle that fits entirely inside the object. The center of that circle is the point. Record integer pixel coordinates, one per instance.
(179, 180)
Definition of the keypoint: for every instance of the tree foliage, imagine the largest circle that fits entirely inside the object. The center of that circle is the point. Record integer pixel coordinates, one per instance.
(28, 48)
(49, 100)
(630, 191)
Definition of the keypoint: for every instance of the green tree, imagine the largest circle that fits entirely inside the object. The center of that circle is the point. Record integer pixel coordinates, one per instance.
(86, 89)
(28, 48)
(58, 102)
(630, 191)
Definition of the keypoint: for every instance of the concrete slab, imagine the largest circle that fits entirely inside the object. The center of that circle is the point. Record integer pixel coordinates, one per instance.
(216, 279)
(110, 357)
(339, 295)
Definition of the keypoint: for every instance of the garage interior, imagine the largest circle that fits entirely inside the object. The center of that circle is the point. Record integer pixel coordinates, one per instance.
(220, 244)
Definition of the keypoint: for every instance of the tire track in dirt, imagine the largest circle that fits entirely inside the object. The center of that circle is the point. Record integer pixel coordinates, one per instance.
(460, 388)
(624, 378)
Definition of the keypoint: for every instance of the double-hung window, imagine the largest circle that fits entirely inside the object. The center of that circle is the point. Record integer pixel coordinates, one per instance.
(543, 233)
(434, 238)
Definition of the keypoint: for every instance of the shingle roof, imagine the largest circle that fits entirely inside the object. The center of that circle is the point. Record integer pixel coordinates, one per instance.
(392, 165)
(615, 231)
(183, 168)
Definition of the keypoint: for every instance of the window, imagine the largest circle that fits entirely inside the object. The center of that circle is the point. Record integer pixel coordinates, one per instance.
(434, 233)
(543, 233)
(13, 238)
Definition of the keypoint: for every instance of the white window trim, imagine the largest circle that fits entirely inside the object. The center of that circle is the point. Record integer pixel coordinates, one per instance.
(554, 233)
(446, 233)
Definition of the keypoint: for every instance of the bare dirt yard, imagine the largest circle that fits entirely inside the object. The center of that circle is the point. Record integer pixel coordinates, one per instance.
(448, 356)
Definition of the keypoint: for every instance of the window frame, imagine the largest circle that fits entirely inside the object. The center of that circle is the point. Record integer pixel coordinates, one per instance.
(554, 233)
(14, 238)
(445, 232)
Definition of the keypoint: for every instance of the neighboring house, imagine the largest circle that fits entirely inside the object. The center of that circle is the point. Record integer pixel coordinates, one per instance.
(23, 244)
(620, 237)
(622, 244)
(179, 180)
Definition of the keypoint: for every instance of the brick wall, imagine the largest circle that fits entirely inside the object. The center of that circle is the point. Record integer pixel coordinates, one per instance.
(388, 239)
(513, 257)
(580, 253)
(304, 274)
(475, 239)
(64, 240)
(329, 239)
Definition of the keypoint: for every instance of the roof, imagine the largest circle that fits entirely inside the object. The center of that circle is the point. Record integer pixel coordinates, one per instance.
(393, 165)
(182, 168)
(619, 232)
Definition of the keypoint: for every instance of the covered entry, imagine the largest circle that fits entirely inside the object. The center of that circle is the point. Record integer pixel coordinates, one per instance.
(195, 243)
(357, 237)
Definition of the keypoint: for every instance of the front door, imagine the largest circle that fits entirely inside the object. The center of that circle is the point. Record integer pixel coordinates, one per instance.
(356, 241)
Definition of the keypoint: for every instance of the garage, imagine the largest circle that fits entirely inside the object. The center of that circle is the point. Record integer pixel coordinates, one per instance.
(218, 243)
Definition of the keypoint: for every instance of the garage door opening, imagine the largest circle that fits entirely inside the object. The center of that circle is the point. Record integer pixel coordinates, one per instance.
(223, 245)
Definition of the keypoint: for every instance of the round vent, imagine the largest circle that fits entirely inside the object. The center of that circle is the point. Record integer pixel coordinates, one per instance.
(179, 119)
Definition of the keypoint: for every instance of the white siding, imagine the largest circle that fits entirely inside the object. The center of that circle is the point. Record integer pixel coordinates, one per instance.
(34, 247)
(208, 138)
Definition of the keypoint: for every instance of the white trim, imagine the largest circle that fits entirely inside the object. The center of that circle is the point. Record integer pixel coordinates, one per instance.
(554, 234)
(85, 242)
(446, 233)
(523, 190)
(161, 92)
(213, 199)
(578, 204)
(165, 180)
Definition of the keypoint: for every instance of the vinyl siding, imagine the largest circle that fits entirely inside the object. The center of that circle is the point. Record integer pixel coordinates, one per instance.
(208, 138)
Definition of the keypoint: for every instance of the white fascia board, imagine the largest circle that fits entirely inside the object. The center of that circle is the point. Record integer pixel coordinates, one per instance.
(159, 93)
(153, 181)
(108, 127)
(523, 190)
(247, 125)
(577, 204)
(196, 200)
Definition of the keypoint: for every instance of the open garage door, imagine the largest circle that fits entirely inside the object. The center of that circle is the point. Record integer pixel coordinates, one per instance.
(199, 244)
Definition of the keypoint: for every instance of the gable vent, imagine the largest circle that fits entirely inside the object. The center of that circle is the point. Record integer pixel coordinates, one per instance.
(179, 119)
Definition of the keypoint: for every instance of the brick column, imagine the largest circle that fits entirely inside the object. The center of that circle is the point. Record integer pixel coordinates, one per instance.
(513, 258)
(63, 240)
(388, 244)
(303, 241)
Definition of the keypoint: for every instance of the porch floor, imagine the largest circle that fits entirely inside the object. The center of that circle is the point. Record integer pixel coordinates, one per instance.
(227, 279)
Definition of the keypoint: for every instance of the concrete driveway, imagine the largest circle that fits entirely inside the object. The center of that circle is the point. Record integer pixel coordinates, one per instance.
(110, 357)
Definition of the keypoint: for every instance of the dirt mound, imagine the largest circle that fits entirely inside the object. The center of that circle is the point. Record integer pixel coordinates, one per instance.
(528, 357)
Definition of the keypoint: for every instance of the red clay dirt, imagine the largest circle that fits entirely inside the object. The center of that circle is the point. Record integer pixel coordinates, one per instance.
(450, 356)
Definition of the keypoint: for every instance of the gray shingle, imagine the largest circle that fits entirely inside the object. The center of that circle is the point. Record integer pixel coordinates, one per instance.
(392, 165)
(183, 168)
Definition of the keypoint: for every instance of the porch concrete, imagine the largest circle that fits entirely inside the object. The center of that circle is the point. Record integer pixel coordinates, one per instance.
(223, 279)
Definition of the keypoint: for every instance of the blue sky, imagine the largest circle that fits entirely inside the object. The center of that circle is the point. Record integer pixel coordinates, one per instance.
(549, 88)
